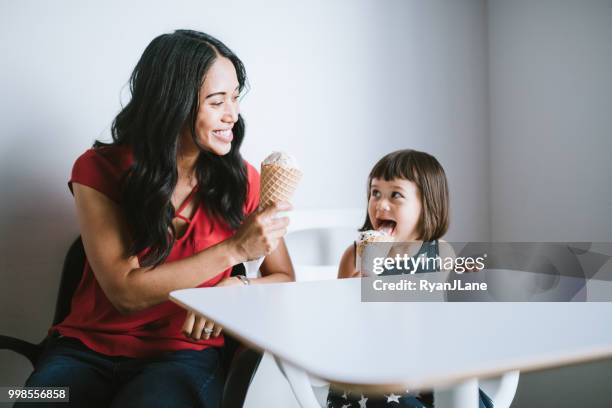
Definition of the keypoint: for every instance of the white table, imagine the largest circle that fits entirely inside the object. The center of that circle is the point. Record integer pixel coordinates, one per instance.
(323, 328)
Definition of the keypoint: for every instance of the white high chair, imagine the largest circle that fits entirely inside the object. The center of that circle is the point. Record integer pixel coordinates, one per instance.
(316, 240)
(324, 235)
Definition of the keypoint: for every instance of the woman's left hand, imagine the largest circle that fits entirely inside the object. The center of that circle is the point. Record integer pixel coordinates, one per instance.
(197, 327)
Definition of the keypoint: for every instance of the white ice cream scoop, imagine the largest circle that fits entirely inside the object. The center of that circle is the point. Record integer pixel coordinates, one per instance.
(281, 159)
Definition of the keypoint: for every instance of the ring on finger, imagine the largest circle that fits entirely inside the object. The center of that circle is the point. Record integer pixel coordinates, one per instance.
(208, 330)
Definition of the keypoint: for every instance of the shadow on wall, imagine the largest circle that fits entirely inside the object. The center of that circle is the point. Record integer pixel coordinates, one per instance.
(567, 387)
(37, 225)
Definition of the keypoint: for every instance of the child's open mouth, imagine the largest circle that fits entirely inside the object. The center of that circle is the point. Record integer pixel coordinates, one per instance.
(386, 226)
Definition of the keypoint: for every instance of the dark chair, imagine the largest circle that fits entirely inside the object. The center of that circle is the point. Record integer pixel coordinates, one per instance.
(240, 362)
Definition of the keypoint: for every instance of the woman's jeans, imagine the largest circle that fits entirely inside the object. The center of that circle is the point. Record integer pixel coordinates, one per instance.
(185, 378)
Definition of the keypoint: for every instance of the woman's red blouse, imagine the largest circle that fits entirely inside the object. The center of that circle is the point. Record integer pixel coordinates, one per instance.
(93, 319)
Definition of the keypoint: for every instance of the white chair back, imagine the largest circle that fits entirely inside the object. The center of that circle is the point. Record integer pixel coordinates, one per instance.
(304, 220)
(317, 238)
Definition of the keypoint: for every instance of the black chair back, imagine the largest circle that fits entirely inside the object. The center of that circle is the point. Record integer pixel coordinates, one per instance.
(72, 271)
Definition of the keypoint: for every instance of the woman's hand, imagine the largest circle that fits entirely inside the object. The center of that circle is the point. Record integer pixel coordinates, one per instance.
(261, 232)
(197, 327)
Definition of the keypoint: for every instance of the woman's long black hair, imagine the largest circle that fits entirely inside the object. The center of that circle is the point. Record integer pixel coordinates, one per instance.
(165, 87)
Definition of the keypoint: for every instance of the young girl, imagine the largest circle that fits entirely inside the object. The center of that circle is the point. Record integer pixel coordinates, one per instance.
(408, 200)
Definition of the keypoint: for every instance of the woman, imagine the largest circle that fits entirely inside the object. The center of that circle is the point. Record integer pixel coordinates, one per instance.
(169, 204)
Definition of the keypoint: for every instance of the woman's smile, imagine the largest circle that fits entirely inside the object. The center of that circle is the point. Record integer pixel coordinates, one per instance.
(225, 135)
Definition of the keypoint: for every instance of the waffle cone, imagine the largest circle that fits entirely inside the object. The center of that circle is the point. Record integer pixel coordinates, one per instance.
(362, 246)
(277, 184)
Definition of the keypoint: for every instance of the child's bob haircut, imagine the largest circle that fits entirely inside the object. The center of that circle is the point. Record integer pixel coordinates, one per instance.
(426, 172)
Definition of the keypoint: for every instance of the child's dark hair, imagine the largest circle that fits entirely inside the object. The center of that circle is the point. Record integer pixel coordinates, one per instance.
(426, 172)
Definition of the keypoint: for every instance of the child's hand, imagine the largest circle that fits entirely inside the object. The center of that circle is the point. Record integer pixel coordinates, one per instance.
(347, 264)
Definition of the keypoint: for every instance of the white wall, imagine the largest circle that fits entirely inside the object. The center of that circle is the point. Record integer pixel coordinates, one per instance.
(437, 58)
(551, 143)
(336, 83)
(551, 120)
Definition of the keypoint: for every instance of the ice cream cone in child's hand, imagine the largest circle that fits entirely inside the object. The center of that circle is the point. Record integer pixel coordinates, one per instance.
(368, 240)
(280, 176)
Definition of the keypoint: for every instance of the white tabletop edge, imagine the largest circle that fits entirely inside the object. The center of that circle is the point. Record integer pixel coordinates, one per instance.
(422, 382)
